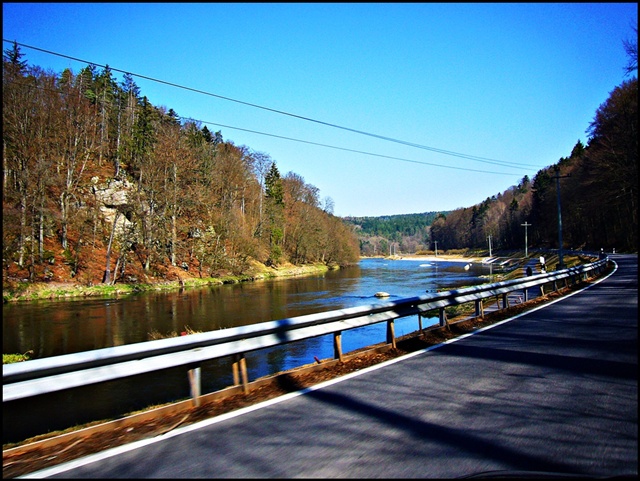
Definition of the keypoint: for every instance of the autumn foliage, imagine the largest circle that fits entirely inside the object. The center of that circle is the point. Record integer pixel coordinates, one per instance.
(100, 186)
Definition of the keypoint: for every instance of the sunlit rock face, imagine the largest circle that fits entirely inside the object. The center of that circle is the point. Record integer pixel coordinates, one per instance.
(112, 196)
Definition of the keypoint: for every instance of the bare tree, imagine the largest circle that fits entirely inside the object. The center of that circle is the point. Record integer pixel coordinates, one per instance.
(631, 47)
(76, 142)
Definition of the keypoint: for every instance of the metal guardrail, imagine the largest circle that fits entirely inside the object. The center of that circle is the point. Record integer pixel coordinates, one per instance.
(41, 376)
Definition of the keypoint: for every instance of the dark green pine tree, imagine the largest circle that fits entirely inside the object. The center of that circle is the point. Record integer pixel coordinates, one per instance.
(85, 81)
(143, 138)
(206, 133)
(13, 57)
(128, 101)
(107, 93)
(274, 193)
(273, 186)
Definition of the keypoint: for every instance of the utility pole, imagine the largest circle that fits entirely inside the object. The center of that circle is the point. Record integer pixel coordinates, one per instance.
(436, 243)
(558, 177)
(525, 225)
(489, 237)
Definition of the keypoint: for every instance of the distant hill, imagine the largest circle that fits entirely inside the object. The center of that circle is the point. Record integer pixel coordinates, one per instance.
(405, 233)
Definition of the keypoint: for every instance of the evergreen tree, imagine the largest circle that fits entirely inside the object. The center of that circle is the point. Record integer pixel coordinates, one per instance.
(128, 100)
(274, 201)
(206, 133)
(273, 185)
(107, 91)
(85, 82)
(13, 57)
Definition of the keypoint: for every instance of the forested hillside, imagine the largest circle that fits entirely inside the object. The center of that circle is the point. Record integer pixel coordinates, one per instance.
(101, 186)
(402, 233)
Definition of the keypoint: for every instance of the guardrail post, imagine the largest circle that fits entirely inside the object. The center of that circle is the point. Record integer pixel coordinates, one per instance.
(420, 323)
(195, 385)
(391, 334)
(479, 308)
(239, 368)
(525, 292)
(337, 345)
(443, 318)
(505, 300)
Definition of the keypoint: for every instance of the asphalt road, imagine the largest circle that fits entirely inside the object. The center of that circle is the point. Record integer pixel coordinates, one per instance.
(554, 390)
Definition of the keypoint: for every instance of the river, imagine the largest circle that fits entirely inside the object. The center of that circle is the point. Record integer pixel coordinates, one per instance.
(52, 328)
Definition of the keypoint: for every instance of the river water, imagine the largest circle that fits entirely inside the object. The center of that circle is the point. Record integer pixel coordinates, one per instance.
(52, 328)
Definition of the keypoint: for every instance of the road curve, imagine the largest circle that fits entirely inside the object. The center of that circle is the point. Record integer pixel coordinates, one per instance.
(554, 390)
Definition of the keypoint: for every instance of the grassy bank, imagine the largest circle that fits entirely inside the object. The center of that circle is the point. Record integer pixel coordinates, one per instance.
(28, 291)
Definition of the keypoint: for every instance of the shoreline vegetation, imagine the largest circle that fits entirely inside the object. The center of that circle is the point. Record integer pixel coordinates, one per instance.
(27, 291)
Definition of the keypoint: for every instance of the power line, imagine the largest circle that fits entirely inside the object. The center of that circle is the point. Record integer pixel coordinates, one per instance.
(345, 149)
(328, 124)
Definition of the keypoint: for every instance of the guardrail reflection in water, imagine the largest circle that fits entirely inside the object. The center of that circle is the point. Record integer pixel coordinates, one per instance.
(41, 376)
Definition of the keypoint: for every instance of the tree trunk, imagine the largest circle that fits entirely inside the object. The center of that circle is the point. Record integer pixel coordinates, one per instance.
(107, 271)
(63, 219)
(41, 234)
(23, 227)
(174, 239)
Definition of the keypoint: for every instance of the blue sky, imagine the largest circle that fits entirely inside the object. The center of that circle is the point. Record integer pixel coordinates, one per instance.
(506, 88)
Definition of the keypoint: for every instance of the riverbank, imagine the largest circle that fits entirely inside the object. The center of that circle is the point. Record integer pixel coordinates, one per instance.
(26, 291)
